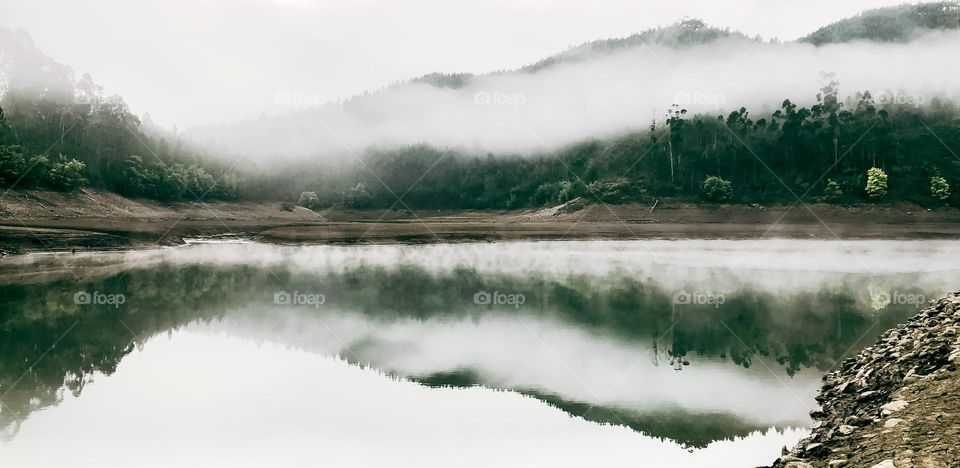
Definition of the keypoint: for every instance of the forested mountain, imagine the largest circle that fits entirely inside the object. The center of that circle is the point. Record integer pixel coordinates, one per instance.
(62, 132)
(893, 24)
(820, 153)
(685, 33)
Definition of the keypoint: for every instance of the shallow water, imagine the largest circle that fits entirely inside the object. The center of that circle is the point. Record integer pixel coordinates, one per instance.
(639, 353)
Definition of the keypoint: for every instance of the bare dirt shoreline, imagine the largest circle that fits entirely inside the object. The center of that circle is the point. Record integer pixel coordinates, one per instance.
(88, 219)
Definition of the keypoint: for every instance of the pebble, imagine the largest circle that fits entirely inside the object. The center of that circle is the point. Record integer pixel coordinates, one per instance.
(892, 422)
(893, 407)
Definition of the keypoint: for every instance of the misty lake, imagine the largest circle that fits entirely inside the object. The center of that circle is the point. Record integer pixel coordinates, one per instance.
(618, 353)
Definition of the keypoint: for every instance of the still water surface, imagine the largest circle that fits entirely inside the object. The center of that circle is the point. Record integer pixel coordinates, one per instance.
(641, 353)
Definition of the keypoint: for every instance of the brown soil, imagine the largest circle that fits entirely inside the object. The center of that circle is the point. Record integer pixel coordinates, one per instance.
(89, 219)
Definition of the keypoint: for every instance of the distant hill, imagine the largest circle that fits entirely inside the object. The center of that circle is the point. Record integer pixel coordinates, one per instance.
(685, 33)
(893, 24)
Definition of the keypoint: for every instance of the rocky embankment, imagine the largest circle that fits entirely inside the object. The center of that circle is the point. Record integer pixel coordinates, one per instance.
(896, 404)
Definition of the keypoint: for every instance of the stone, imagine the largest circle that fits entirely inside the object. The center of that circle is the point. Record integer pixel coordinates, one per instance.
(885, 464)
(892, 422)
(846, 429)
(799, 464)
(838, 462)
(893, 407)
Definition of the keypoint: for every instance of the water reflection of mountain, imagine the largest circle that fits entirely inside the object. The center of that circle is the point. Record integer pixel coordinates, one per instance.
(692, 429)
(50, 345)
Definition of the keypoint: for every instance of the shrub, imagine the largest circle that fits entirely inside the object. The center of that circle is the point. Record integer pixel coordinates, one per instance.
(66, 174)
(570, 190)
(619, 190)
(939, 188)
(546, 193)
(717, 190)
(876, 183)
(832, 193)
(13, 164)
(309, 200)
(358, 197)
(199, 182)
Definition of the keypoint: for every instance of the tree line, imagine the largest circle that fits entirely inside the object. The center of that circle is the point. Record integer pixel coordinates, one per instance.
(856, 150)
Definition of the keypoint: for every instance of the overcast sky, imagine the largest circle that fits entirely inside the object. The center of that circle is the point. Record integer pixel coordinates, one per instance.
(189, 62)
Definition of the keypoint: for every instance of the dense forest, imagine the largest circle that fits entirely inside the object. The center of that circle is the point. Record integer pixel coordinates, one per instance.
(891, 24)
(60, 132)
(822, 153)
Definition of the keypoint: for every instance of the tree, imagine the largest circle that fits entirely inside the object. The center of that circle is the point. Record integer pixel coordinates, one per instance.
(309, 200)
(66, 174)
(4, 129)
(570, 189)
(13, 164)
(199, 182)
(876, 183)
(358, 197)
(716, 189)
(134, 177)
(832, 193)
(939, 188)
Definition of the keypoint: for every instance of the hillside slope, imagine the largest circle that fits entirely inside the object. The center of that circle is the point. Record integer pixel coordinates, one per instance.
(892, 24)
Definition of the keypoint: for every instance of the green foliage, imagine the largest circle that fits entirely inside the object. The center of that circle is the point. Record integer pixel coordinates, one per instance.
(44, 104)
(546, 193)
(939, 188)
(717, 190)
(66, 174)
(876, 183)
(199, 181)
(161, 181)
(570, 189)
(358, 197)
(832, 193)
(616, 190)
(309, 200)
(13, 164)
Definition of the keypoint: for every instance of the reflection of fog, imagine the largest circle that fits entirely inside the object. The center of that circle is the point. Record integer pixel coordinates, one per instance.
(197, 399)
(768, 264)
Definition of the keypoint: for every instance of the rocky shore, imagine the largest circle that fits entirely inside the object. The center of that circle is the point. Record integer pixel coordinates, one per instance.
(896, 404)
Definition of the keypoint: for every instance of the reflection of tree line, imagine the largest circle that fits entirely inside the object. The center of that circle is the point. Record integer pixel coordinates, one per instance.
(50, 345)
(804, 330)
(691, 429)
